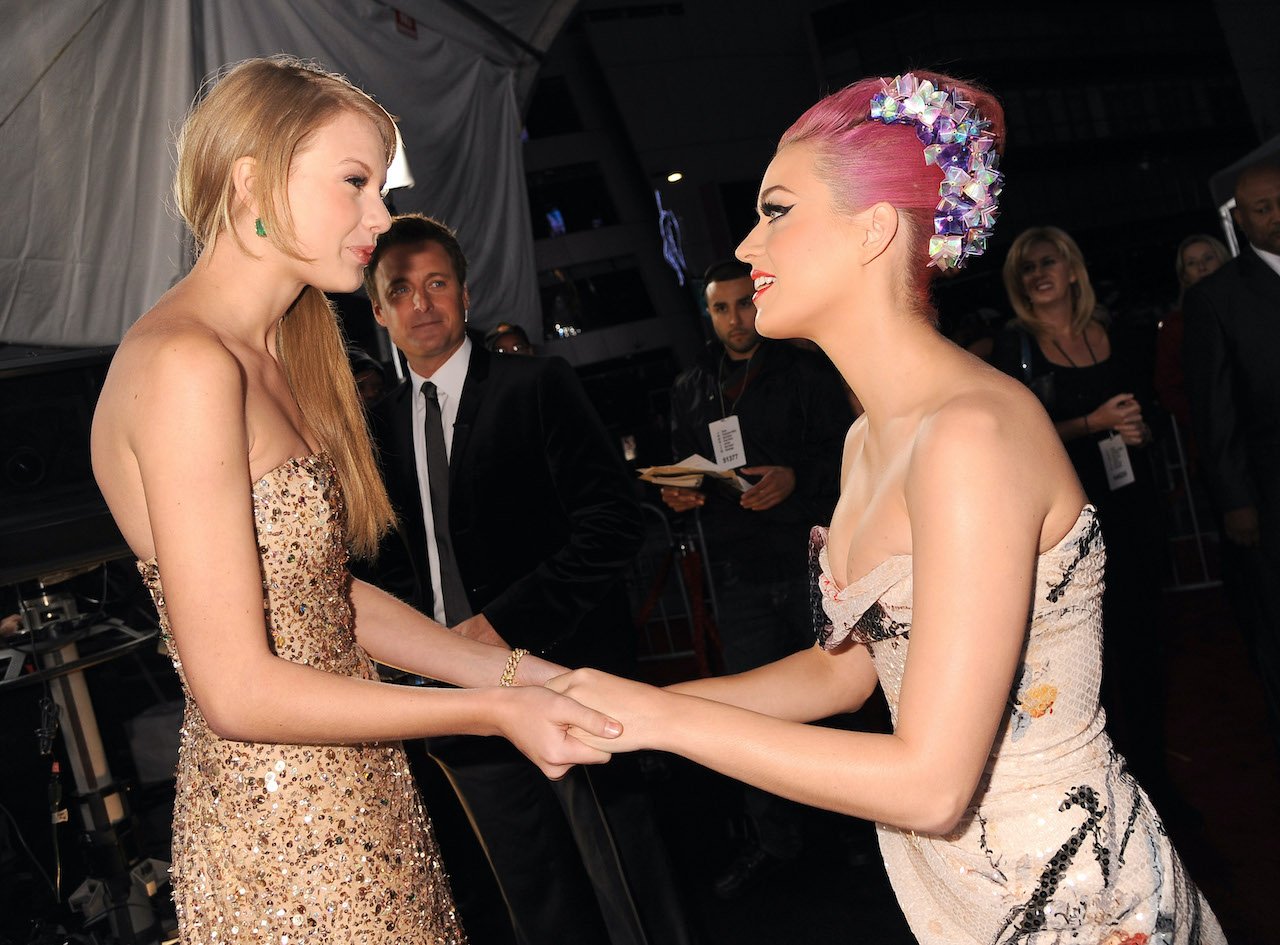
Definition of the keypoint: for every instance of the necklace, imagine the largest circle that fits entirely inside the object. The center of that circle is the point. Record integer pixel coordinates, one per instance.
(720, 379)
(1093, 358)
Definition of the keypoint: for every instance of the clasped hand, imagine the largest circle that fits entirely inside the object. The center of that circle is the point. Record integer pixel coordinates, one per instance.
(636, 705)
(1123, 414)
(555, 732)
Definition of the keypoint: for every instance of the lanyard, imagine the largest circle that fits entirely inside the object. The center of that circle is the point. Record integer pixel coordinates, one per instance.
(1088, 346)
(746, 378)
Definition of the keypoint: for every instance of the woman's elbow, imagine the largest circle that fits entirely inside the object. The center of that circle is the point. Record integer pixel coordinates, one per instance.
(940, 804)
(229, 711)
(224, 721)
(940, 816)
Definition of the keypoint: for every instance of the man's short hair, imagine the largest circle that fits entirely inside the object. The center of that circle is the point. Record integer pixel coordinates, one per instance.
(724, 271)
(409, 229)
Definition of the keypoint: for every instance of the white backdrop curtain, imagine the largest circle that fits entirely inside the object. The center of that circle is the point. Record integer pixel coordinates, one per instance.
(92, 92)
(89, 92)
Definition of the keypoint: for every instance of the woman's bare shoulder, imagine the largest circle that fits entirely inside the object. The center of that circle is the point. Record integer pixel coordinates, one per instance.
(169, 369)
(171, 344)
(171, 325)
(989, 422)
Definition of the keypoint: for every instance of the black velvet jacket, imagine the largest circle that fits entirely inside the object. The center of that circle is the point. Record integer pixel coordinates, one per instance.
(541, 508)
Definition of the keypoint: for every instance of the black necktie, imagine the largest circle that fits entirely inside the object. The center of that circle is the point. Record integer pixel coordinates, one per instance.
(456, 607)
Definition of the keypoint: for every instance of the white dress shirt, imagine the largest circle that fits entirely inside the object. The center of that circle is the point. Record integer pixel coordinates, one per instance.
(448, 378)
(1271, 259)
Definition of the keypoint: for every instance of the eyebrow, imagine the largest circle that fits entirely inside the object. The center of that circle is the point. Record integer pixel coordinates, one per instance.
(404, 278)
(368, 171)
(768, 190)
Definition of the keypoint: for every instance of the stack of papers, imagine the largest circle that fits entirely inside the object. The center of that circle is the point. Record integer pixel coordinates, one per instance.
(689, 473)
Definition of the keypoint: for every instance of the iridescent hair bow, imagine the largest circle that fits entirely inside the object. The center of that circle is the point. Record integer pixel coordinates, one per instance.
(958, 140)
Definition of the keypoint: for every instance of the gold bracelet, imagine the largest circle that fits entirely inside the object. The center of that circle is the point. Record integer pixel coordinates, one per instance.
(508, 677)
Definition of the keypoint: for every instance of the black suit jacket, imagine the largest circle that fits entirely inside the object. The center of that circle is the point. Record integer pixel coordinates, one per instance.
(1231, 352)
(541, 508)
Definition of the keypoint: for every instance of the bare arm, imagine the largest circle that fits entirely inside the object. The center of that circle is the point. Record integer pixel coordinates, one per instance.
(806, 686)
(398, 635)
(803, 687)
(191, 445)
(974, 497)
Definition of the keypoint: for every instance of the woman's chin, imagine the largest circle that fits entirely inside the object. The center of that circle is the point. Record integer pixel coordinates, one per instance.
(344, 283)
(767, 327)
(777, 328)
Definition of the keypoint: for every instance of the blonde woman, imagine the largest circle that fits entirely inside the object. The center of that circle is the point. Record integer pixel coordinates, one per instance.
(231, 448)
(1095, 383)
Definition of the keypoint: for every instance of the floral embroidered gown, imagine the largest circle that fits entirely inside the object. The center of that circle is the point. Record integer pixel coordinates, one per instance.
(1059, 844)
(294, 844)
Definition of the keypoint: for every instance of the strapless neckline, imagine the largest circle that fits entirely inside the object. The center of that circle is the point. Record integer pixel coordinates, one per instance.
(318, 457)
(1080, 525)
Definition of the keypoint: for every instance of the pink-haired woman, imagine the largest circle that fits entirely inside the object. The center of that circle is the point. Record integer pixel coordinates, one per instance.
(961, 570)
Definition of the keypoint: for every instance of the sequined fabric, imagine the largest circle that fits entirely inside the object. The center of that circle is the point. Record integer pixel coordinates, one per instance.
(294, 844)
(1060, 846)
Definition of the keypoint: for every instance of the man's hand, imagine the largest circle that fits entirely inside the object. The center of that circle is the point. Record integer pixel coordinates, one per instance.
(775, 485)
(1241, 526)
(682, 500)
(478, 628)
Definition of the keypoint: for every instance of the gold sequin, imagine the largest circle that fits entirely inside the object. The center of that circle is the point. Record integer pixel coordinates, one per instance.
(301, 844)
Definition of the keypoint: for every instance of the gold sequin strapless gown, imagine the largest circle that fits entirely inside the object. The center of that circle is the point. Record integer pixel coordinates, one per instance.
(293, 844)
(1059, 845)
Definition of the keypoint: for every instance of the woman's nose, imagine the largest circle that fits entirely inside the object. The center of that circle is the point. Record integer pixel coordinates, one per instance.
(749, 247)
(380, 220)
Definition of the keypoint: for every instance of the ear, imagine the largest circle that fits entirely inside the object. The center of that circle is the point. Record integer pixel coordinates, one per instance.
(881, 221)
(377, 312)
(244, 174)
(1235, 216)
(466, 298)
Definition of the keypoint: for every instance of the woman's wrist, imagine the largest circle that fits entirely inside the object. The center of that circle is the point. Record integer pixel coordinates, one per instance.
(512, 667)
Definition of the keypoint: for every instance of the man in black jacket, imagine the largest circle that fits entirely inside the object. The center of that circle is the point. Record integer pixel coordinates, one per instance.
(528, 549)
(1231, 348)
(790, 413)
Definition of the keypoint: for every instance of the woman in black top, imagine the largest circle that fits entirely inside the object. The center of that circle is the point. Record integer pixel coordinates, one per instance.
(1094, 385)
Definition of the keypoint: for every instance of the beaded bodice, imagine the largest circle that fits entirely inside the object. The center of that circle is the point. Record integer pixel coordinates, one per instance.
(294, 844)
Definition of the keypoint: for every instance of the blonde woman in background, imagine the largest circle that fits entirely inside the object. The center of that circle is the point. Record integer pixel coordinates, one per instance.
(1095, 383)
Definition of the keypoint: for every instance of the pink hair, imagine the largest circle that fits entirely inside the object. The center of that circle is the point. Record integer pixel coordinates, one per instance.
(865, 162)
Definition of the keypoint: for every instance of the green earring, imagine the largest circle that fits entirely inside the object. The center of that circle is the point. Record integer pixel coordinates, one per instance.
(259, 228)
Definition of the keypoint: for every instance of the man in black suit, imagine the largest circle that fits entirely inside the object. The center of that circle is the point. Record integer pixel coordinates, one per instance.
(528, 548)
(1232, 357)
